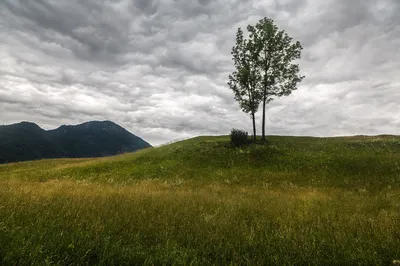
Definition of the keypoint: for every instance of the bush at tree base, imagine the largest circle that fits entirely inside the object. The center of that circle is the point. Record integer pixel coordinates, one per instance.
(238, 137)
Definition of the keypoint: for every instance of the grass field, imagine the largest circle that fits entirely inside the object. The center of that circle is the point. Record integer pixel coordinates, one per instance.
(297, 200)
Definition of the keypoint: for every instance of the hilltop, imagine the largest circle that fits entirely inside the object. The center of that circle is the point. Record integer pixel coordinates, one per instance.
(307, 161)
(27, 141)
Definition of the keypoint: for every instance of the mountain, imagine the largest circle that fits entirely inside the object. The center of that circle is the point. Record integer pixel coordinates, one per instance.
(27, 141)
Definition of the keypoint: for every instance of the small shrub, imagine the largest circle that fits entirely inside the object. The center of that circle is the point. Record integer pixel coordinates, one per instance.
(239, 137)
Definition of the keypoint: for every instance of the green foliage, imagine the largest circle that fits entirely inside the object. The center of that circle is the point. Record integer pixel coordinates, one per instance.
(295, 201)
(238, 137)
(264, 66)
(275, 51)
(245, 80)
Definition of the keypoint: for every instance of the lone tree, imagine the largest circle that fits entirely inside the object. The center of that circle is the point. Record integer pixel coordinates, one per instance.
(270, 54)
(245, 80)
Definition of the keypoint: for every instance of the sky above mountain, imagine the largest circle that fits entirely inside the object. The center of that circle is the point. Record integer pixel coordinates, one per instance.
(159, 68)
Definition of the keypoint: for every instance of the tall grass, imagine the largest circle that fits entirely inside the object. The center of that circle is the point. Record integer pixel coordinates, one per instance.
(295, 201)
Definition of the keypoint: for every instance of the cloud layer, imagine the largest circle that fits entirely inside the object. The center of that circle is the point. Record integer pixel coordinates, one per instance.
(159, 67)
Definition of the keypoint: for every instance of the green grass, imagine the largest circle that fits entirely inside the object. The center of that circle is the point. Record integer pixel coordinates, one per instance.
(297, 200)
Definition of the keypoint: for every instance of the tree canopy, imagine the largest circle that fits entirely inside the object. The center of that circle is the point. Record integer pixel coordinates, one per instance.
(245, 80)
(264, 67)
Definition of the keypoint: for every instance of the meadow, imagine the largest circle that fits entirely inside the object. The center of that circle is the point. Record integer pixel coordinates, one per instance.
(294, 201)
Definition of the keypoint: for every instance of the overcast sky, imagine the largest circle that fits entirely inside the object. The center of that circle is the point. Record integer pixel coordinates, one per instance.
(159, 68)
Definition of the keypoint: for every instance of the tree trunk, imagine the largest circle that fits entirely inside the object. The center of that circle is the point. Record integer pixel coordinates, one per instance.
(253, 114)
(266, 68)
(263, 115)
(254, 125)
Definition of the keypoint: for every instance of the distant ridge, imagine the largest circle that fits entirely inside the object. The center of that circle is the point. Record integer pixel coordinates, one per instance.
(27, 141)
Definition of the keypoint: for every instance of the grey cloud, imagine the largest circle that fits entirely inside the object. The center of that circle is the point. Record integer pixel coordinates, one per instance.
(204, 2)
(159, 68)
(149, 7)
(89, 29)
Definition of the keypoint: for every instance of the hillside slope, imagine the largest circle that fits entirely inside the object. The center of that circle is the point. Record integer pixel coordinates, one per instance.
(357, 161)
(296, 201)
(27, 141)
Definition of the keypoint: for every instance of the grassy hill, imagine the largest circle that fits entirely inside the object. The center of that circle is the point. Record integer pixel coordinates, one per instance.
(296, 200)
